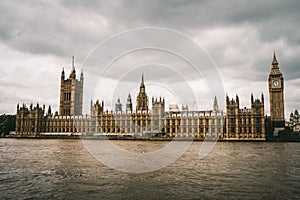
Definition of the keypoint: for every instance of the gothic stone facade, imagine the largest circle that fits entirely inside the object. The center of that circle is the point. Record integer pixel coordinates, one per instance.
(236, 124)
(245, 123)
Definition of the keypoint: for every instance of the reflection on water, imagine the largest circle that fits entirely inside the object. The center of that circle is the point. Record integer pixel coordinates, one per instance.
(63, 169)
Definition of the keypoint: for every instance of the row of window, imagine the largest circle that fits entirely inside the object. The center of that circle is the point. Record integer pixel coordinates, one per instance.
(195, 130)
(258, 130)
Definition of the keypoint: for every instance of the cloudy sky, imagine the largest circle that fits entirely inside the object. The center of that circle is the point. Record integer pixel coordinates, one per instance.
(38, 39)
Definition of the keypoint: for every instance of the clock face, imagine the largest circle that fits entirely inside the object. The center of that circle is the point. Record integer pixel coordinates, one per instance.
(276, 83)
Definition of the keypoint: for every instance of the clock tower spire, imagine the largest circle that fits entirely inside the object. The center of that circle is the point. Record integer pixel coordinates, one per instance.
(276, 88)
(274, 62)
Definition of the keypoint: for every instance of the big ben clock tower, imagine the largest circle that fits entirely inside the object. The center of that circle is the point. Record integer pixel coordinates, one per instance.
(276, 87)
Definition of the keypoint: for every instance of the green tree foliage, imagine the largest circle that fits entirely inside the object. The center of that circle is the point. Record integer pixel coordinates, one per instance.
(7, 123)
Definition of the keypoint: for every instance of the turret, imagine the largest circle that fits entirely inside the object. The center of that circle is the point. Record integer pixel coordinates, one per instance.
(81, 76)
(227, 99)
(97, 108)
(49, 111)
(129, 104)
(118, 106)
(158, 112)
(63, 74)
(215, 106)
(237, 100)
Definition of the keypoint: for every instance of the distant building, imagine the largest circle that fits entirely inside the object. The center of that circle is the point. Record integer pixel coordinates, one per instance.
(294, 121)
(235, 124)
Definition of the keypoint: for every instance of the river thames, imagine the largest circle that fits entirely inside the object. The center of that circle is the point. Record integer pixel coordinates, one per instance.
(64, 169)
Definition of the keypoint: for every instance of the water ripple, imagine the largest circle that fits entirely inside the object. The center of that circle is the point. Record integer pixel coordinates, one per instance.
(63, 169)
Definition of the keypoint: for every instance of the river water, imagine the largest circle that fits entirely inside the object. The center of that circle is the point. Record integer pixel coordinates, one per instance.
(64, 169)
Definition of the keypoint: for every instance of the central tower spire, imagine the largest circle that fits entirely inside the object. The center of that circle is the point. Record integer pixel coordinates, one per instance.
(142, 86)
(142, 98)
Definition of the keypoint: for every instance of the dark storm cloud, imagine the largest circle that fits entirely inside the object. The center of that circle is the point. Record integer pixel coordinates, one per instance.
(273, 18)
(46, 27)
(24, 22)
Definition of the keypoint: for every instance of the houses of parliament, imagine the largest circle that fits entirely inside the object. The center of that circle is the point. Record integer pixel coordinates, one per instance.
(235, 123)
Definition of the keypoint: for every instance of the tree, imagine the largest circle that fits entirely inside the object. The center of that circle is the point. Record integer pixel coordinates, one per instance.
(7, 123)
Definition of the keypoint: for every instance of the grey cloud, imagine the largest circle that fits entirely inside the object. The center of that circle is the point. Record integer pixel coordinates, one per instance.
(275, 19)
(63, 28)
(47, 21)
